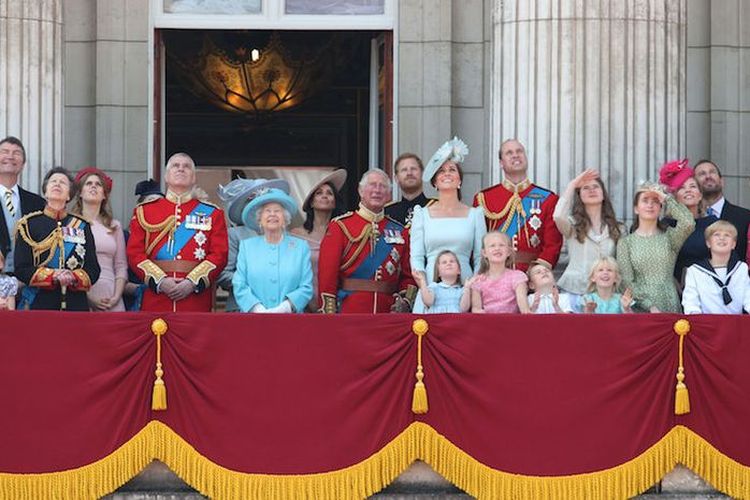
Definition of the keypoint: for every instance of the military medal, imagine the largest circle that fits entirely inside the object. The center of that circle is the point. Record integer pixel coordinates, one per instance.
(534, 240)
(395, 255)
(198, 221)
(200, 252)
(390, 268)
(200, 238)
(81, 250)
(535, 222)
(73, 235)
(72, 262)
(393, 236)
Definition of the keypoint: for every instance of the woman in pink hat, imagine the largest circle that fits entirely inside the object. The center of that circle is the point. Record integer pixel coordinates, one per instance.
(92, 202)
(679, 180)
(322, 203)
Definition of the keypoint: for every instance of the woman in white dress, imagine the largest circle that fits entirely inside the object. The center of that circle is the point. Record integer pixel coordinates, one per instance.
(585, 217)
(447, 224)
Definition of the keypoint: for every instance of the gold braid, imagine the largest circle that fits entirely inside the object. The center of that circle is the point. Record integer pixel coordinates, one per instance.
(361, 239)
(48, 244)
(164, 227)
(514, 206)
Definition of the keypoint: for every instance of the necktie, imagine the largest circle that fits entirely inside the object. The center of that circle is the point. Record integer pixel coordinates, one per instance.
(711, 211)
(9, 203)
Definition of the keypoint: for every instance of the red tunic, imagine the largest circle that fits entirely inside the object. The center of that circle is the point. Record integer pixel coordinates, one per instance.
(178, 240)
(523, 212)
(348, 243)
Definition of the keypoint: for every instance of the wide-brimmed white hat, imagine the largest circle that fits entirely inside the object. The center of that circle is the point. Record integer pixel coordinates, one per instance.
(240, 192)
(454, 150)
(263, 197)
(337, 178)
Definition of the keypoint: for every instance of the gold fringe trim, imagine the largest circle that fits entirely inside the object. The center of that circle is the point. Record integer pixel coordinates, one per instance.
(418, 441)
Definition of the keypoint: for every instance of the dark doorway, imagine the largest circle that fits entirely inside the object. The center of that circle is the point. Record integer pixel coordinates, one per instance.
(317, 117)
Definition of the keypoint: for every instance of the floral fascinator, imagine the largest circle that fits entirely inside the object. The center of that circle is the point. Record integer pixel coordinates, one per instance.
(454, 150)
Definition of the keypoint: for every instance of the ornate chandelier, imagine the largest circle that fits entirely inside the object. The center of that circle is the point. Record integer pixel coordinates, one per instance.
(251, 80)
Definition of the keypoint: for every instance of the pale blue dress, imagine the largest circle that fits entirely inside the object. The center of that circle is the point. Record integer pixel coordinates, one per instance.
(447, 298)
(270, 273)
(461, 235)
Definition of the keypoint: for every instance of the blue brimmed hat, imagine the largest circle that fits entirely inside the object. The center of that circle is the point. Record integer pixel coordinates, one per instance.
(454, 150)
(239, 192)
(263, 197)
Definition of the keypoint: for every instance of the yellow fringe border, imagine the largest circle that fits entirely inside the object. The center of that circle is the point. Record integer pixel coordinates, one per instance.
(418, 441)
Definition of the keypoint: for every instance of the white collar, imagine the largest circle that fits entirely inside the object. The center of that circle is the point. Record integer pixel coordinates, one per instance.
(718, 206)
(13, 190)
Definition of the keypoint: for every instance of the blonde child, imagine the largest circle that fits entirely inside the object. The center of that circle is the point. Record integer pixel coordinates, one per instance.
(719, 284)
(446, 294)
(8, 288)
(546, 298)
(603, 298)
(497, 287)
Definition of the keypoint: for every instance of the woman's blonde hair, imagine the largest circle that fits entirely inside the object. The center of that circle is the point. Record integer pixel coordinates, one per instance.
(510, 262)
(436, 276)
(608, 261)
(105, 209)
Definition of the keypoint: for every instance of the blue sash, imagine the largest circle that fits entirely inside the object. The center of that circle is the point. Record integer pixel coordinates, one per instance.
(182, 234)
(29, 293)
(536, 196)
(367, 268)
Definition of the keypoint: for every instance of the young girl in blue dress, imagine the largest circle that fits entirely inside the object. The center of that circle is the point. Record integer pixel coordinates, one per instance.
(603, 298)
(446, 294)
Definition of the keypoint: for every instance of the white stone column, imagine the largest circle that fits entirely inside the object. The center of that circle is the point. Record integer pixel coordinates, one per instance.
(31, 82)
(590, 83)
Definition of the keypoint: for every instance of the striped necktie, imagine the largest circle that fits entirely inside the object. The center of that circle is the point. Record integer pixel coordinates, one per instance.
(9, 203)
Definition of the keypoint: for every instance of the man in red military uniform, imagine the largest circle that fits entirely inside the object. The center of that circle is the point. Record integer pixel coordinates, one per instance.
(178, 244)
(364, 256)
(522, 210)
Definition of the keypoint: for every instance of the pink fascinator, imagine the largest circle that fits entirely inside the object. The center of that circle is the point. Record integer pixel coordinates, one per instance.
(673, 174)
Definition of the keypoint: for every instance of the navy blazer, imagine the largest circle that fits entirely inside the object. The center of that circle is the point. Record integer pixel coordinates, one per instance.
(30, 202)
(740, 218)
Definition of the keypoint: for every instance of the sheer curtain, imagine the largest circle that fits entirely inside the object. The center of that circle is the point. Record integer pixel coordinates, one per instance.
(212, 6)
(335, 7)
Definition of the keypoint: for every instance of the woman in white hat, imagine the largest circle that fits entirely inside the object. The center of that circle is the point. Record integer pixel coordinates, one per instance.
(322, 203)
(273, 273)
(447, 224)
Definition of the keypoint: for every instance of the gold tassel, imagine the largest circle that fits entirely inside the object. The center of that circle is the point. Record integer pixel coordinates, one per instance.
(419, 404)
(681, 396)
(159, 395)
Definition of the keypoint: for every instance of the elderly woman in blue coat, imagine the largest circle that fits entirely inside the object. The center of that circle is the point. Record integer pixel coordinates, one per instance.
(273, 273)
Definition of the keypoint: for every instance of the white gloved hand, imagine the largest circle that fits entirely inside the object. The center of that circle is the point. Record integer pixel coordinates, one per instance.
(284, 308)
(259, 308)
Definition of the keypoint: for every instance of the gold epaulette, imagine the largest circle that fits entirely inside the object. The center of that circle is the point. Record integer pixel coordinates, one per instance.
(430, 202)
(343, 216)
(210, 204)
(147, 201)
(392, 202)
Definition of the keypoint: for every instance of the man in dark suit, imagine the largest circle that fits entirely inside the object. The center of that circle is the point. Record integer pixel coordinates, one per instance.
(14, 200)
(711, 184)
(408, 168)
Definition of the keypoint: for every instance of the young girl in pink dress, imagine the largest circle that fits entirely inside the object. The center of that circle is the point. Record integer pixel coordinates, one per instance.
(497, 287)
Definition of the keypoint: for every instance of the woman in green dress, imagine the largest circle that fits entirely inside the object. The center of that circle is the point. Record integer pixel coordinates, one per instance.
(647, 255)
